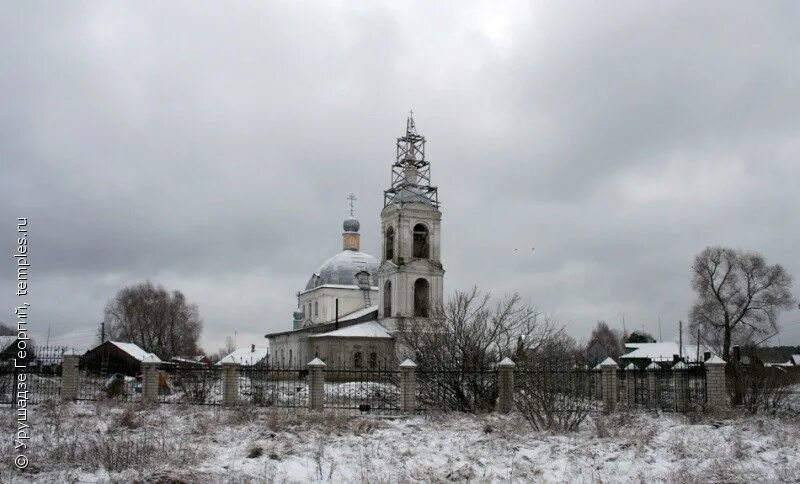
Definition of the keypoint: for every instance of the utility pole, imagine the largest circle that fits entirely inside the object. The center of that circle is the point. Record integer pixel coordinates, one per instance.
(48, 336)
(680, 339)
(102, 332)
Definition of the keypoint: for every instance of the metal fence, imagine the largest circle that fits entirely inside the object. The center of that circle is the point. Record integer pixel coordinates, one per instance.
(665, 389)
(273, 387)
(472, 390)
(566, 386)
(369, 391)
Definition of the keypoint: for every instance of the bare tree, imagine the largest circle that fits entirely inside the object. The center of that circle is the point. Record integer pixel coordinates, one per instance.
(6, 330)
(739, 296)
(470, 336)
(604, 342)
(159, 321)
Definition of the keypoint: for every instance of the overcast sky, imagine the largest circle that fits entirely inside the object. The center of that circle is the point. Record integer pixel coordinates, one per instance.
(209, 147)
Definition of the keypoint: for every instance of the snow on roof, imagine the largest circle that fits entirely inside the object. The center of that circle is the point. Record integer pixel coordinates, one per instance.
(358, 314)
(137, 353)
(370, 329)
(6, 341)
(663, 351)
(795, 360)
(248, 356)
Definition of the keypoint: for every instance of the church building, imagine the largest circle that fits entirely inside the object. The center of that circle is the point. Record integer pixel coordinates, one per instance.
(354, 306)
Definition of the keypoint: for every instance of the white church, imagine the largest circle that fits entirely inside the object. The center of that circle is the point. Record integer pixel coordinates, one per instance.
(354, 306)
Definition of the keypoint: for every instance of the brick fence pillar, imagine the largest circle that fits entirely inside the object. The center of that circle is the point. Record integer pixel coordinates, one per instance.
(716, 386)
(505, 385)
(69, 377)
(630, 385)
(652, 385)
(316, 384)
(149, 381)
(408, 386)
(230, 384)
(609, 381)
(681, 380)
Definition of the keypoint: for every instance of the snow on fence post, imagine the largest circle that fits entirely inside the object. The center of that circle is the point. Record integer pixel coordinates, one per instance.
(69, 377)
(408, 386)
(230, 384)
(149, 381)
(505, 385)
(652, 385)
(316, 384)
(609, 381)
(717, 392)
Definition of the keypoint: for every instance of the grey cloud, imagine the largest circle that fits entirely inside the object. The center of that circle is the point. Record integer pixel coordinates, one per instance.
(210, 148)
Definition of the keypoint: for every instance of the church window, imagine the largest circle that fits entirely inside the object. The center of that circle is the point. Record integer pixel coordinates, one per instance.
(387, 299)
(290, 359)
(373, 360)
(389, 243)
(421, 249)
(422, 298)
(358, 360)
(316, 308)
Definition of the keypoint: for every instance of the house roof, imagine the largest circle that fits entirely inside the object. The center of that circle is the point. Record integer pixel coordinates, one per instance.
(321, 327)
(6, 341)
(135, 352)
(248, 356)
(795, 360)
(664, 351)
(358, 314)
(370, 329)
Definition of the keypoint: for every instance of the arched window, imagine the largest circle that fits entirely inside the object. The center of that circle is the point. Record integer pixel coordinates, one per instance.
(316, 308)
(290, 359)
(358, 360)
(373, 360)
(389, 243)
(387, 299)
(421, 249)
(422, 297)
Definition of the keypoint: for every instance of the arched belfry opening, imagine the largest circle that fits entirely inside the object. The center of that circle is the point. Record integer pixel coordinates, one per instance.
(421, 242)
(389, 243)
(422, 298)
(387, 299)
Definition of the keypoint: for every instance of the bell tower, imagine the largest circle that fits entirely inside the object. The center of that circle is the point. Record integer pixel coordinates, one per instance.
(411, 275)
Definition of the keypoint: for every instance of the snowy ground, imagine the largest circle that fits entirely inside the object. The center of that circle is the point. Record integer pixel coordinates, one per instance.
(96, 442)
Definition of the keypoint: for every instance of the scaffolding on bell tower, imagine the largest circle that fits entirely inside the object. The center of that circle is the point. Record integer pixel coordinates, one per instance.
(411, 172)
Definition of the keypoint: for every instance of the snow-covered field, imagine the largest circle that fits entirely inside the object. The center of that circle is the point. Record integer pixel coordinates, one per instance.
(97, 442)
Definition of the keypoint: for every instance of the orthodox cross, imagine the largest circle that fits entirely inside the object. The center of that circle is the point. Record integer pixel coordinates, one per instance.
(352, 198)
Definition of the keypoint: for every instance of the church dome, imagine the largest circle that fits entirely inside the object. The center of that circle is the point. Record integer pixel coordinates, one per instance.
(351, 225)
(342, 269)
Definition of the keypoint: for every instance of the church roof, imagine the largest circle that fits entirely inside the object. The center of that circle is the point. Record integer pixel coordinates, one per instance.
(370, 329)
(342, 269)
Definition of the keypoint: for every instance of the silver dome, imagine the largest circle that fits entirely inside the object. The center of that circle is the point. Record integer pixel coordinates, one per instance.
(351, 225)
(342, 269)
(298, 315)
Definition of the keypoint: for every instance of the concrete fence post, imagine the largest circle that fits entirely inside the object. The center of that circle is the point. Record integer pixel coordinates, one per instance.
(652, 385)
(69, 377)
(716, 386)
(408, 386)
(630, 385)
(505, 385)
(609, 381)
(316, 384)
(230, 384)
(149, 381)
